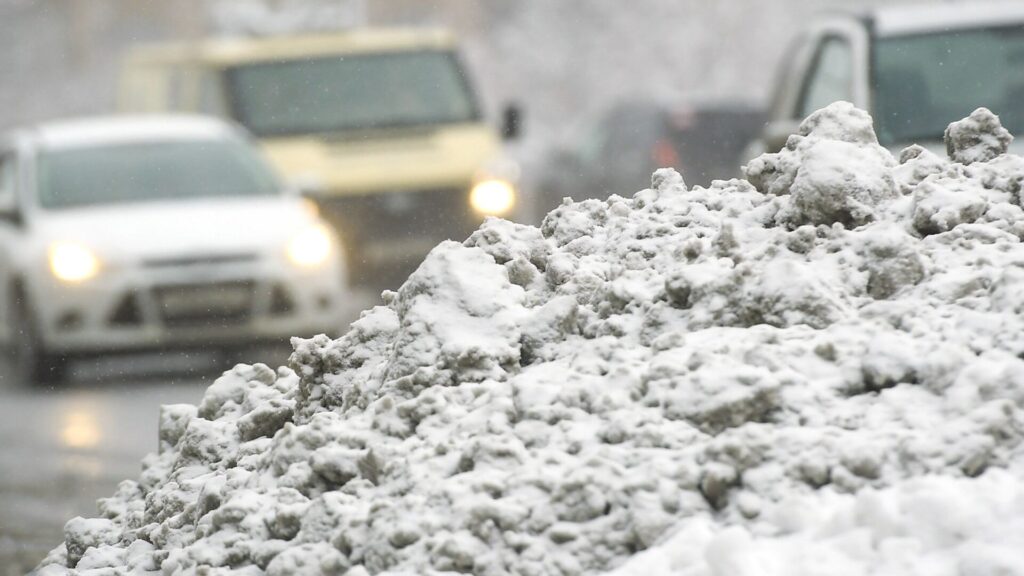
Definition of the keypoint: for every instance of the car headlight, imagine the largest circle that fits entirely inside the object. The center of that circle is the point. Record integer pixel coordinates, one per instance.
(493, 197)
(311, 247)
(73, 263)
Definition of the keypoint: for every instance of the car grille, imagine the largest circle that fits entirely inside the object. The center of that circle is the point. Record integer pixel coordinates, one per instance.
(205, 305)
(199, 260)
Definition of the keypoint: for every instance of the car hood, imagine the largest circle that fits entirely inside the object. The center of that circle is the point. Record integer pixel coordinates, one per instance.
(194, 228)
(411, 159)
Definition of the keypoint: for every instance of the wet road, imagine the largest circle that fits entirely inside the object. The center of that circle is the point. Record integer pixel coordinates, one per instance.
(62, 449)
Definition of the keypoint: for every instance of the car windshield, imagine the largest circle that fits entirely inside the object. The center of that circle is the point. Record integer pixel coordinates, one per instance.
(179, 169)
(924, 82)
(335, 93)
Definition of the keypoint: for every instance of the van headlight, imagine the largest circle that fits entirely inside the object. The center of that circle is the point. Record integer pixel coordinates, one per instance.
(493, 197)
(73, 262)
(311, 247)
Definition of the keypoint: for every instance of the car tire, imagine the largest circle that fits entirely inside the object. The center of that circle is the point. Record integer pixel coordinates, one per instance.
(31, 364)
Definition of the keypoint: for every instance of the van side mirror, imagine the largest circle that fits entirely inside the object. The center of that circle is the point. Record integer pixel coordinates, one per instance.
(777, 132)
(511, 122)
(9, 210)
(306, 187)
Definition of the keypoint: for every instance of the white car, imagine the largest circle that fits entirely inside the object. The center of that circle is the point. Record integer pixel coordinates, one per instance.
(914, 67)
(136, 233)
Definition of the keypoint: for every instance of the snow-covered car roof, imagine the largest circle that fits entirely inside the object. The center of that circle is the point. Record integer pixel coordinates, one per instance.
(922, 19)
(112, 130)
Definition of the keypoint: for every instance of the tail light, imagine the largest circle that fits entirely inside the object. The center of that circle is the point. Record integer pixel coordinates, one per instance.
(664, 154)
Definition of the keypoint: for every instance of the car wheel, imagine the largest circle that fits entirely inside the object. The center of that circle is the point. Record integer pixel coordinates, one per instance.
(31, 365)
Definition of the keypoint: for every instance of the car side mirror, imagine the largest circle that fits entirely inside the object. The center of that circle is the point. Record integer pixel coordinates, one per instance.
(777, 132)
(511, 122)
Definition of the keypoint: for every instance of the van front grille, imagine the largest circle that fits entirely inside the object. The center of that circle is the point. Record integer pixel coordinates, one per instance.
(428, 215)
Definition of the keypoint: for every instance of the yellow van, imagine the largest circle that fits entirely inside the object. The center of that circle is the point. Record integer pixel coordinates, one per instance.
(381, 127)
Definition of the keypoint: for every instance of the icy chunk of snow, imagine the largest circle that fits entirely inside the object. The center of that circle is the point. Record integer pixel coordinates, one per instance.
(978, 138)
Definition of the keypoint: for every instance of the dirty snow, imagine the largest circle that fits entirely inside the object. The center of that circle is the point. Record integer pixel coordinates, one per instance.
(816, 370)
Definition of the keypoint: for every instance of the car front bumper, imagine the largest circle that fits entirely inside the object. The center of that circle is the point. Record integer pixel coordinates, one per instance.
(189, 303)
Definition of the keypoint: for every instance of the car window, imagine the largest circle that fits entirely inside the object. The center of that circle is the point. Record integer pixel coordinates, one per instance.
(923, 81)
(830, 78)
(173, 170)
(327, 94)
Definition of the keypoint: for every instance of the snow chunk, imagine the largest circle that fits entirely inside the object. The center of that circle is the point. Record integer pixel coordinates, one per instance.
(839, 182)
(840, 121)
(923, 526)
(834, 171)
(667, 179)
(458, 315)
(82, 535)
(978, 138)
(892, 262)
(916, 164)
(941, 204)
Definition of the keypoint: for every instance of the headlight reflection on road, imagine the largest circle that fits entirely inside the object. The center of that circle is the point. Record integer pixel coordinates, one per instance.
(79, 429)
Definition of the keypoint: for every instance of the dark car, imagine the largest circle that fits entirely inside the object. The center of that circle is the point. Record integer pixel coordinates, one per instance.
(617, 153)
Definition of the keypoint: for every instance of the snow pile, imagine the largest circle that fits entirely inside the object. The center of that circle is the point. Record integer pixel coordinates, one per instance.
(816, 371)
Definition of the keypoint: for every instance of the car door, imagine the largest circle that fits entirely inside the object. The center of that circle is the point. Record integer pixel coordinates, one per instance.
(9, 231)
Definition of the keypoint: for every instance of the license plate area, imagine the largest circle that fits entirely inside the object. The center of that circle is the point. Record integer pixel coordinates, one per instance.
(197, 305)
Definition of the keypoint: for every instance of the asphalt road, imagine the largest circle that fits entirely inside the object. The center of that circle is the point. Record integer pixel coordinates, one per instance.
(62, 449)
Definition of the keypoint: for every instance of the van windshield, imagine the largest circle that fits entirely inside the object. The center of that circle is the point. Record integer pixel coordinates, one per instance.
(351, 92)
(923, 82)
(138, 172)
